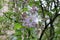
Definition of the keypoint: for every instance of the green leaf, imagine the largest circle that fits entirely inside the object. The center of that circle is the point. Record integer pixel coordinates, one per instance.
(25, 9)
(31, 2)
(37, 3)
(0, 6)
(18, 32)
(48, 13)
(1, 18)
(17, 26)
(58, 30)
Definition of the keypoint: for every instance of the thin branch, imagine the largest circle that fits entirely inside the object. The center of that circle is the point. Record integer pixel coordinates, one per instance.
(52, 33)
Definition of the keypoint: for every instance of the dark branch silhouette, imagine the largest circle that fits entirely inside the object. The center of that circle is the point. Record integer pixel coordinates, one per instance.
(51, 23)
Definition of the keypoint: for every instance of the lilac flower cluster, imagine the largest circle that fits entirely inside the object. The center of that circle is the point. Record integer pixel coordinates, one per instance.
(30, 20)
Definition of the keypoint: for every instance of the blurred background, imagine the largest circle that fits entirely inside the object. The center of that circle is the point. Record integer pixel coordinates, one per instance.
(29, 19)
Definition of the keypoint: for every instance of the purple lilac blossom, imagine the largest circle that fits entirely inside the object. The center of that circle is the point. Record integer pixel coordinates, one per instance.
(32, 18)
